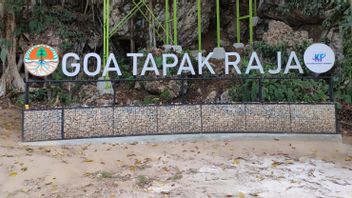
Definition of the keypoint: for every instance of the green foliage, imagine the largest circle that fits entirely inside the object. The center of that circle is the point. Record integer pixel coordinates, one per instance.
(70, 37)
(165, 96)
(42, 17)
(39, 94)
(279, 90)
(106, 175)
(340, 15)
(142, 181)
(269, 51)
(296, 90)
(151, 100)
(311, 7)
(15, 5)
(344, 77)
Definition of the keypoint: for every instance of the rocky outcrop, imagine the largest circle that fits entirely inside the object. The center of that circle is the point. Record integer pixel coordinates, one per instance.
(187, 19)
(278, 10)
(173, 87)
(280, 32)
(335, 40)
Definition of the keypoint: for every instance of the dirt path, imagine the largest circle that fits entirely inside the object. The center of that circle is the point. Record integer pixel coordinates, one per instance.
(274, 168)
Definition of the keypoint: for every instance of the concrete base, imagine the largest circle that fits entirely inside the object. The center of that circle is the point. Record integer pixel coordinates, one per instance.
(105, 88)
(176, 48)
(192, 137)
(219, 53)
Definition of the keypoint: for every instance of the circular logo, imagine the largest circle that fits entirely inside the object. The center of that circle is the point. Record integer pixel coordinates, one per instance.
(319, 58)
(41, 60)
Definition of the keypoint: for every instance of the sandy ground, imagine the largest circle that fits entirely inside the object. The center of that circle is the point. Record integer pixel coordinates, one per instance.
(275, 168)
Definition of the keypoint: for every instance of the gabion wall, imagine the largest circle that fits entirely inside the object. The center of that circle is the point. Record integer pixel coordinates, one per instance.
(41, 125)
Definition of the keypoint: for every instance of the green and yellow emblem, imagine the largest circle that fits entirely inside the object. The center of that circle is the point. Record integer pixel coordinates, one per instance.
(41, 60)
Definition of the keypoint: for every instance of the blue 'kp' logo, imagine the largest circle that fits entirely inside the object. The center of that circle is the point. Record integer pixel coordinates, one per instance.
(319, 57)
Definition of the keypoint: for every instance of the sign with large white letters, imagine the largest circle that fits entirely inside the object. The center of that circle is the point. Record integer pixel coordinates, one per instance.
(319, 58)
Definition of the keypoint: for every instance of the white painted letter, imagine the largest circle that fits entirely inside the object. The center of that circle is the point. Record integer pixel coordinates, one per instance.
(289, 65)
(135, 61)
(232, 63)
(76, 65)
(189, 66)
(153, 68)
(279, 65)
(204, 63)
(166, 65)
(259, 66)
(85, 64)
(116, 67)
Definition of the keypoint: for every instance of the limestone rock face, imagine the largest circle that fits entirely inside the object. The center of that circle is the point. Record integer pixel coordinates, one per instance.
(275, 9)
(279, 32)
(336, 42)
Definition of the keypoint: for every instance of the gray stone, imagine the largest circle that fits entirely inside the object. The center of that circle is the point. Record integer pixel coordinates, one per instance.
(211, 98)
(173, 48)
(138, 86)
(225, 97)
(219, 53)
(238, 45)
(255, 21)
(167, 48)
(177, 48)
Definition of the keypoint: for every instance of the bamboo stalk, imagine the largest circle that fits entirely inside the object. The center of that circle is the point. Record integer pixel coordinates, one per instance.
(175, 22)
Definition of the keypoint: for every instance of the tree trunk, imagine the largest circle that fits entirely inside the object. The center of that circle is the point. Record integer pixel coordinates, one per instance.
(132, 41)
(11, 79)
(152, 40)
(1, 10)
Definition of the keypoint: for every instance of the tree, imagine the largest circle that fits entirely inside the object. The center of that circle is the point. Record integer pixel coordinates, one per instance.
(11, 78)
(41, 53)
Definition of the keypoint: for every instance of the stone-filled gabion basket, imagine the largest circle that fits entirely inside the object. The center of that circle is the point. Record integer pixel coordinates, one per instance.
(39, 125)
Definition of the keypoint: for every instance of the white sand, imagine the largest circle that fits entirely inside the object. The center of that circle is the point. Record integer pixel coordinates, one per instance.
(221, 168)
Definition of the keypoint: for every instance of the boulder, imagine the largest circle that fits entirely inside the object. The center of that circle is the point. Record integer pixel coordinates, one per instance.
(211, 98)
(279, 32)
(157, 87)
(225, 97)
